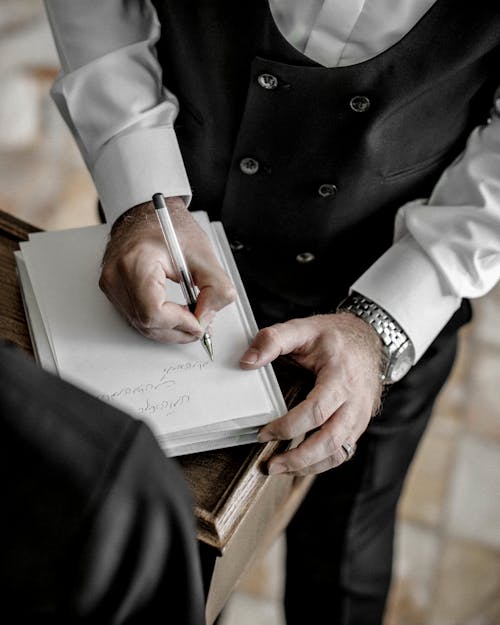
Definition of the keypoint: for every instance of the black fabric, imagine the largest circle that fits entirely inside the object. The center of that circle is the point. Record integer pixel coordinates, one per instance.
(426, 94)
(97, 523)
(340, 542)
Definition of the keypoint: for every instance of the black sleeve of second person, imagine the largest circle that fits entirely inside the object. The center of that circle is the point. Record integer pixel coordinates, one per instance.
(97, 523)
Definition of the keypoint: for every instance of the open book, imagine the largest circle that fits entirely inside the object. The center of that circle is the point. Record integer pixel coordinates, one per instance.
(191, 403)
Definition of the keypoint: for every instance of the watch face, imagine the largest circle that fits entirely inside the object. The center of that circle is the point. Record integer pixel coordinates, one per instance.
(401, 362)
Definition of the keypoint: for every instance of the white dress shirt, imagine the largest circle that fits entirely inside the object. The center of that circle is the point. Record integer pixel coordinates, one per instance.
(110, 93)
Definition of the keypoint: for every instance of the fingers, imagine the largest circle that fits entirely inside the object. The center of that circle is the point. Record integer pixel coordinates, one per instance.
(322, 450)
(155, 316)
(167, 328)
(339, 407)
(175, 335)
(312, 413)
(216, 292)
(136, 285)
(274, 341)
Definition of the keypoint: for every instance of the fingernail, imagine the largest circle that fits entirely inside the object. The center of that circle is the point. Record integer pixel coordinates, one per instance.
(276, 467)
(250, 357)
(265, 437)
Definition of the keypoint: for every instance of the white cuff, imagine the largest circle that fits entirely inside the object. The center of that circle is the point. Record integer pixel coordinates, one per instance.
(133, 166)
(405, 283)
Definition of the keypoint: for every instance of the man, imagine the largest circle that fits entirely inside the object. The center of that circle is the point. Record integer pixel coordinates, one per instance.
(346, 149)
(97, 523)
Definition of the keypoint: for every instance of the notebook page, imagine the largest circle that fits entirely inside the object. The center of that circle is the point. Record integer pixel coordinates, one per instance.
(174, 388)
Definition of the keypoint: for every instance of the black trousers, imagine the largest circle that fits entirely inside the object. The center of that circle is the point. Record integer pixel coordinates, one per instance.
(97, 523)
(340, 542)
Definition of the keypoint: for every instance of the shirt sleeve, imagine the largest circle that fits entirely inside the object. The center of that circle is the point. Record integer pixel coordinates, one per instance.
(110, 93)
(447, 247)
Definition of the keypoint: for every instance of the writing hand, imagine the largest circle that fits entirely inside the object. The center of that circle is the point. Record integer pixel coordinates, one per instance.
(135, 267)
(345, 355)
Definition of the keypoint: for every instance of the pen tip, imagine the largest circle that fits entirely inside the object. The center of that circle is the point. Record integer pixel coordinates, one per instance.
(207, 344)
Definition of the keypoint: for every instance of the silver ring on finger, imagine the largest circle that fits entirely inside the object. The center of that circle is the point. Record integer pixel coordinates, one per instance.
(349, 449)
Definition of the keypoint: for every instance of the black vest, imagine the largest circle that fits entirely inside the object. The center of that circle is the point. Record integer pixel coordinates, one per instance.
(377, 134)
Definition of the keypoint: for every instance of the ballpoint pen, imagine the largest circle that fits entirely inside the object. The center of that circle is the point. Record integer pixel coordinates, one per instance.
(179, 262)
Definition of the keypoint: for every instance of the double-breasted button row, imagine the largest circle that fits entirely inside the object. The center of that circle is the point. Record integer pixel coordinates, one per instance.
(250, 166)
(358, 103)
(303, 258)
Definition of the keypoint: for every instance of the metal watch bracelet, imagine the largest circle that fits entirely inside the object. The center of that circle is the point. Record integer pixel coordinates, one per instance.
(398, 348)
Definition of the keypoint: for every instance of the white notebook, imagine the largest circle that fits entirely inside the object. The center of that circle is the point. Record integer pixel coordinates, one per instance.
(191, 403)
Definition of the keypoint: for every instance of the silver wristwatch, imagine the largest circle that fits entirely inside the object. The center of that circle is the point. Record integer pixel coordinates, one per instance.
(398, 348)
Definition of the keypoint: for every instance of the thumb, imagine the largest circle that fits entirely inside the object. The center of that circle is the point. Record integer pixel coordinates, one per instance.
(216, 292)
(271, 342)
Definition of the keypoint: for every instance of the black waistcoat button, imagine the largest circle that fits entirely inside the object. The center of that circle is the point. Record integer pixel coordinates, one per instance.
(267, 81)
(359, 103)
(236, 246)
(249, 166)
(305, 257)
(326, 190)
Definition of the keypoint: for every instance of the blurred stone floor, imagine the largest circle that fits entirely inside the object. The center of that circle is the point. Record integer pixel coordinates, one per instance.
(447, 564)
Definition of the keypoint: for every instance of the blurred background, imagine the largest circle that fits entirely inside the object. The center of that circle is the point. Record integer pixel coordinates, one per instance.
(447, 565)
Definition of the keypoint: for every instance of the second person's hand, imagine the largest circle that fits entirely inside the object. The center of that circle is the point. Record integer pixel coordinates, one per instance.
(136, 265)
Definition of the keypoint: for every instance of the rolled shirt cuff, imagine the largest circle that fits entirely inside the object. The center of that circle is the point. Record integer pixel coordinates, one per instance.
(406, 284)
(132, 167)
